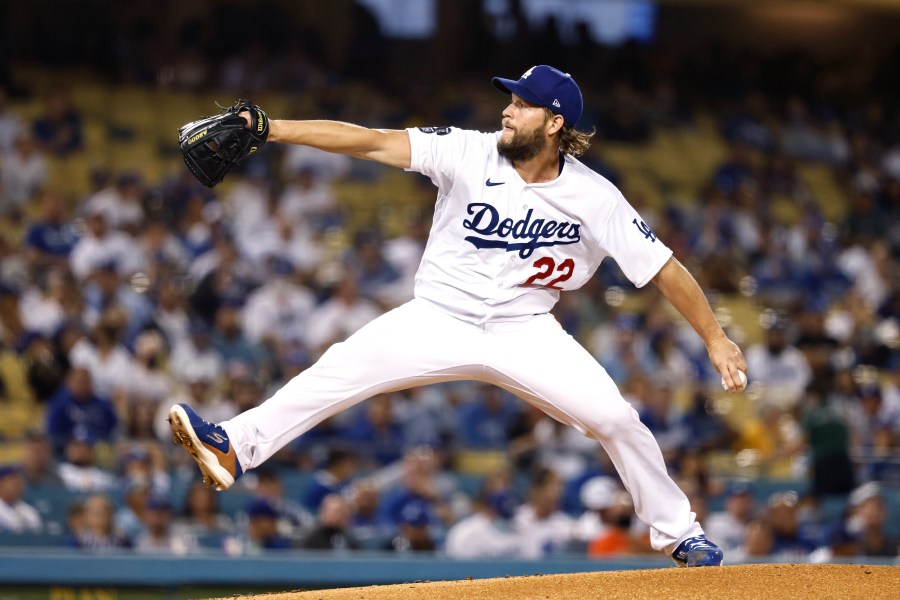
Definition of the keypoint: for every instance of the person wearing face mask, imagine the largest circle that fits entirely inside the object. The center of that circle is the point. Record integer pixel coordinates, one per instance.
(782, 371)
(488, 531)
(606, 525)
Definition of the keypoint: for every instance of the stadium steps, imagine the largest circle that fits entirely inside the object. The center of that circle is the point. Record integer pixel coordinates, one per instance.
(826, 191)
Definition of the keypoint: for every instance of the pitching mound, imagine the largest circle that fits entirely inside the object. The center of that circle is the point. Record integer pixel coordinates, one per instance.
(737, 582)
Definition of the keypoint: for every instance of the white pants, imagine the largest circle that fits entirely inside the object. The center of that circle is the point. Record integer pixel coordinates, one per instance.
(418, 344)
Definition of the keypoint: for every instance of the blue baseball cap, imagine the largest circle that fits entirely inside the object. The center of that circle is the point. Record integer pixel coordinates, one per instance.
(260, 507)
(7, 470)
(545, 86)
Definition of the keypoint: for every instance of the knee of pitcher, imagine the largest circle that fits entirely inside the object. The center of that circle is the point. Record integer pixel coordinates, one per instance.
(616, 421)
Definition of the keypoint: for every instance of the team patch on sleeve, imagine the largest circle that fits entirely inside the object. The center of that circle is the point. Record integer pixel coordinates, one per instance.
(436, 130)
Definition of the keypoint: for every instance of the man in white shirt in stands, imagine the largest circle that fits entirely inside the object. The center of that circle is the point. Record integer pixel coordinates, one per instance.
(16, 516)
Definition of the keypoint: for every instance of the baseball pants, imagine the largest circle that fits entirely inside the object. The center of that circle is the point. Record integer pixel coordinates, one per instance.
(418, 344)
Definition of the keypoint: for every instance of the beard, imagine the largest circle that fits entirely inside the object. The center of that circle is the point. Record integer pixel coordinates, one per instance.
(523, 145)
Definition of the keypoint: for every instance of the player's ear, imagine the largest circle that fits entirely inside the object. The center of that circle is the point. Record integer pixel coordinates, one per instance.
(555, 124)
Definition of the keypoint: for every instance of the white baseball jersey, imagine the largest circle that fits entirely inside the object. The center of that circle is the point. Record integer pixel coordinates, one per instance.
(499, 253)
(501, 248)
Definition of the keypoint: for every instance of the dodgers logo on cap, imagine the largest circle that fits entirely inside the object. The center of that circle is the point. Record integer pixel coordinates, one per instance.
(549, 87)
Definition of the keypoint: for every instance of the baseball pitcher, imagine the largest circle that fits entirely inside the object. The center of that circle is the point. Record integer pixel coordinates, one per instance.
(518, 219)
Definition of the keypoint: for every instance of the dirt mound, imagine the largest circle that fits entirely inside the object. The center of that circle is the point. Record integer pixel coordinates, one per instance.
(783, 582)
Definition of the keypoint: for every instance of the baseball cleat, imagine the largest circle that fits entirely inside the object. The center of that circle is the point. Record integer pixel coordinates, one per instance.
(698, 552)
(208, 445)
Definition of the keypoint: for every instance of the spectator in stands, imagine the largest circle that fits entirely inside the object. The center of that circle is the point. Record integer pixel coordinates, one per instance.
(332, 530)
(42, 306)
(327, 166)
(488, 532)
(232, 344)
(537, 440)
(815, 341)
(428, 416)
(594, 494)
(110, 363)
(108, 291)
(151, 383)
(23, 172)
(121, 205)
(170, 314)
(279, 311)
(777, 280)
(130, 516)
(663, 418)
(840, 542)
(485, 419)
(730, 525)
(290, 361)
(194, 358)
(50, 239)
(374, 273)
(344, 313)
(197, 220)
(867, 263)
(367, 522)
(704, 429)
(872, 421)
(619, 346)
(39, 467)
(74, 522)
(295, 519)
(665, 360)
(241, 389)
(101, 246)
(145, 462)
(827, 436)
(544, 529)
(220, 274)
(201, 515)
(262, 527)
(162, 252)
(95, 530)
(308, 199)
(420, 482)
(375, 432)
(616, 512)
(46, 370)
(158, 536)
(16, 515)
(75, 410)
(405, 253)
(335, 474)
(249, 207)
(10, 123)
(867, 519)
(781, 370)
(58, 129)
(414, 528)
(788, 538)
(79, 471)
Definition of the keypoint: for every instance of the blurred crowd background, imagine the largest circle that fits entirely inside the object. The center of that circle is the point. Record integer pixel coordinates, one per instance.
(760, 141)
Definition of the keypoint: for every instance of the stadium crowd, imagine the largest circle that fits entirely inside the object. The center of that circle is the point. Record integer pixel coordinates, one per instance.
(145, 293)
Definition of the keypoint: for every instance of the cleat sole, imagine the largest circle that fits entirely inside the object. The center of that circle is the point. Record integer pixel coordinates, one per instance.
(214, 475)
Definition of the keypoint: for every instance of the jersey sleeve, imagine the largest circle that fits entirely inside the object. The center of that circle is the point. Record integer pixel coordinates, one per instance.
(437, 152)
(633, 245)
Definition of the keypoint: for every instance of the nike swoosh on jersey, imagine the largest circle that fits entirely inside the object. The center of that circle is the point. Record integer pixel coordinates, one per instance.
(490, 183)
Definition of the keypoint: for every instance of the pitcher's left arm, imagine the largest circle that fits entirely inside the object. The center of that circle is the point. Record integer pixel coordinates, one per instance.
(682, 290)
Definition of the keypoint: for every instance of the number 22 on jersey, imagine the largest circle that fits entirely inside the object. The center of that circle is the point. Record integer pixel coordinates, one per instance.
(547, 267)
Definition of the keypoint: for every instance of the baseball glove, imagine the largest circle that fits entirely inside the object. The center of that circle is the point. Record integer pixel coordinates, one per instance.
(212, 146)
